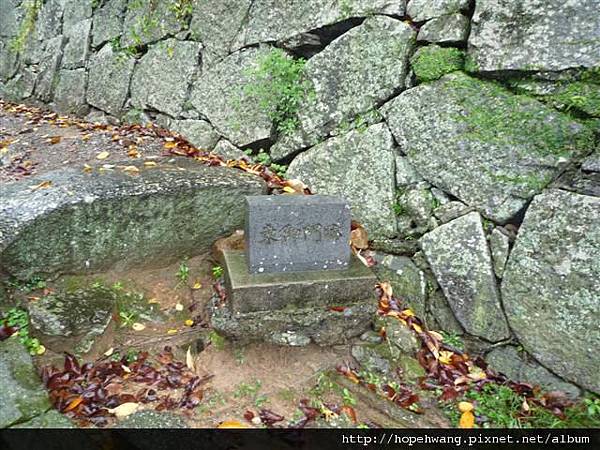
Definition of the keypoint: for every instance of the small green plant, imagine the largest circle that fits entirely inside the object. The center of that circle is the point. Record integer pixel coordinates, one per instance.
(248, 390)
(217, 272)
(19, 318)
(348, 398)
(128, 318)
(264, 158)
(279, 87)
(279, 169)
(239, 355)
(30, 285)
(182, 9)
(453, 339)
(433, 62)
(260, 401)
(117, 286)
(217, 340)
(399, 207)
(183, 273)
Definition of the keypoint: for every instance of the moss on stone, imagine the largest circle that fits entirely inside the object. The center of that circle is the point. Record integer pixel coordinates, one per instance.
(579, 95)
(501, 120)
(433, 62)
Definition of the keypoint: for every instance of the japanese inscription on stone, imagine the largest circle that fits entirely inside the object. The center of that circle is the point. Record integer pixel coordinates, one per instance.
(292, 233)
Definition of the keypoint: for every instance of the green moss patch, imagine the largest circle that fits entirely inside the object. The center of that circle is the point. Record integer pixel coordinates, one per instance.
(433, 62)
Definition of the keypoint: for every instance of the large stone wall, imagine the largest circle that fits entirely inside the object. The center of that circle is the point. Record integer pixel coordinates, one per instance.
(463, 132)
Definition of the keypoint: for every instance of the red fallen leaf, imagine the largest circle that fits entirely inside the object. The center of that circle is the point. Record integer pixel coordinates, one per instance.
(268, 417)
(449, 393)
(6, 332)
(309, 412)
(71, 364)
(337, 308)
(166, 356)
(350, 412)
(249, 415)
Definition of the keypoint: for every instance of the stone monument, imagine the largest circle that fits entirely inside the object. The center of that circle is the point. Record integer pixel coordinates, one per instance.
(296, 281)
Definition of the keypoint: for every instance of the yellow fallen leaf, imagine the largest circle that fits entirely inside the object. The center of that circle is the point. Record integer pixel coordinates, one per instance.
(150, 164)
(102, 155)
(42, 185)
(131, 169)
(125, 368)
(138, 326)
(289, 190)
(231, 424)
(133, 152)
(87, 168)
(172, 331)
(189, 323)
(40, 350)
(445, 357)
(109, 351)
(408, 313)
(197, 285)
(467, 420)
(417, 328)
(464, 407)
(153, 300)
(124, 410)
(170, 145)
(189, 359)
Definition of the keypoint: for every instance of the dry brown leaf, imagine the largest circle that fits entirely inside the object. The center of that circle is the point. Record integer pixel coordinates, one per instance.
(43, 185)
(54, 140)
(359, 238)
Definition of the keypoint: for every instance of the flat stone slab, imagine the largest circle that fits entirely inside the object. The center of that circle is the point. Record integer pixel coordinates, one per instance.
(278, 291)
(80, 222)
(291, 233)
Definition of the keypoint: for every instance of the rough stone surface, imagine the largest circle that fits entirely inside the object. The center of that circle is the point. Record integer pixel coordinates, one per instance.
(49, 419)
(73, 322)
(78, 44)
(152, 419)
(69, 96)
(219, 95)
(499, 246)
(522, 368)
(147, 21)
(108, 22)
(354, 74)
(473, 139)
(453, 28)
(591, 163)
(420, 10)
(407, 280)
(216, 23)
(163, 74)
(552, 282)
(198, 132)
(278, 291)
(297, 326)
(459, 256)
(88, 222)
(406, 174)
(358, 166)
(11, 16)
(49, 20)
(531, 35)
(48, 69)
(292, 233)
(22, 396)
(441, 316)
(75, 11)
(108, 83)
(274, 20)
(227, 150)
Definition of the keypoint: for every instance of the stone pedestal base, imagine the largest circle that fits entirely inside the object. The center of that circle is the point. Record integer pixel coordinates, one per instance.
(325, 307)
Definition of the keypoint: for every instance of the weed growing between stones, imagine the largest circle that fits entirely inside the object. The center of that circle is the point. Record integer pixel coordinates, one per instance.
(279, 87)
(433, 62)
(264, 158)
(32, 9)
(19, 319)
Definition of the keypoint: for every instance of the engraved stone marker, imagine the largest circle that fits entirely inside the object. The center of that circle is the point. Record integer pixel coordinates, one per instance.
(293, 233)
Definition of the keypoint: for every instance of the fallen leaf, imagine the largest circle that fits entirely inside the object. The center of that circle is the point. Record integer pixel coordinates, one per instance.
(87, 168)
(54, 140)
(467, 420)
(133, 153)
(42, 185)
(464, 407)
(40, 350)
(109, 351)
(189, 322)
(359, 238)
(189, 359)
(74, 404)
(138, 326)
(153, 300)
(124, 410)
(172, 331)
(197, 285)
(131, 169)
(446, 357)
(150, 164)
(289, 190)
(178, 307)
(102, 155)
(231, 424)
